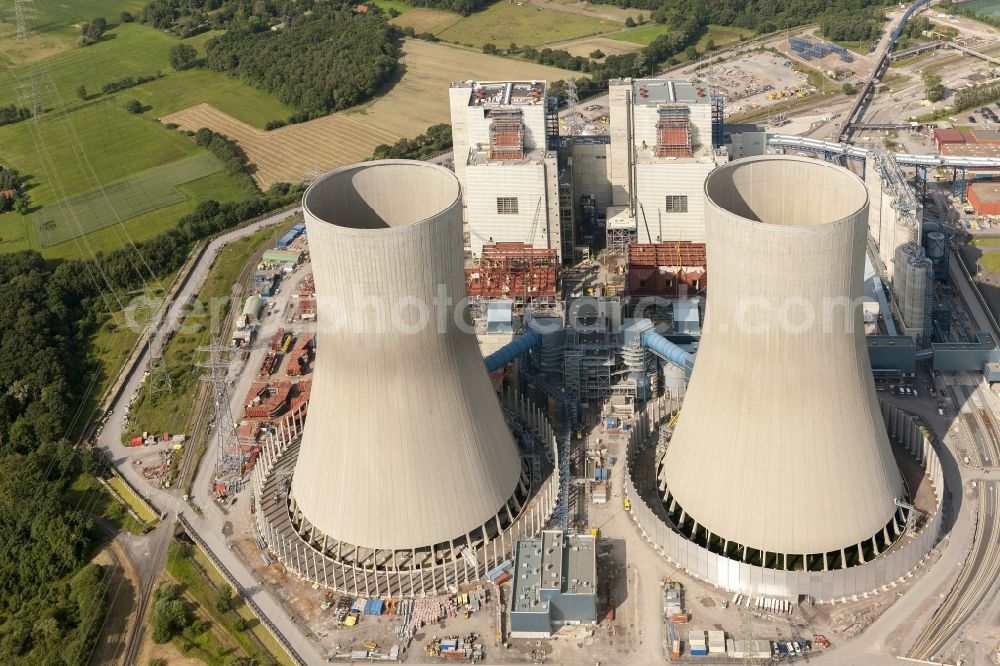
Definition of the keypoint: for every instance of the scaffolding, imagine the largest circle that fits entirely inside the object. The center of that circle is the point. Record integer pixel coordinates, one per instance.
(618, 238)
(506, 134)
(567, 225)
(673, 128)
(514, 270)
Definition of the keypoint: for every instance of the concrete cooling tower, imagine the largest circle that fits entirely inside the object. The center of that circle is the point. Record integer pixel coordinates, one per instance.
(407, 479)
(780, 455)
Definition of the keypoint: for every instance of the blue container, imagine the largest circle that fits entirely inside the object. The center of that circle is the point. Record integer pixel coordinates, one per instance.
(699, 652)
(612, 460)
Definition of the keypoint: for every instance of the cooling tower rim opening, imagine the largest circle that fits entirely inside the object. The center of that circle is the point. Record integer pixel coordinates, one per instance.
(439, 181)
(812, 174)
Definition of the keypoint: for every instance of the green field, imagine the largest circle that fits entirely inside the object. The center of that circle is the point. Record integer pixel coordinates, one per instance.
(527, 25)
(128, 50)
(71, 153)
(136, 50)
(181, 90)
(87, 494)
(54, 25)
(399, 6)
(200, 579)
(990, 261)
(144, 192)
(722, 35)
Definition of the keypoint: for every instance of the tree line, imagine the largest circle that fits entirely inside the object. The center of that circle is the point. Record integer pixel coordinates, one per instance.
(436, 139)
(231, 155)
(977, 95)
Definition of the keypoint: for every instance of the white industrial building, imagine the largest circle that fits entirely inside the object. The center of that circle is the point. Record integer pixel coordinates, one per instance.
(509, 174)
(666, 137)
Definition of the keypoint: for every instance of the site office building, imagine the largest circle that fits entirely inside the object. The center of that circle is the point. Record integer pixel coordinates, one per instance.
(666, 137)
(509, 176)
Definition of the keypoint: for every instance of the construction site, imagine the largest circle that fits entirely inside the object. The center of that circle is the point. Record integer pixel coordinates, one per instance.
(565, 464)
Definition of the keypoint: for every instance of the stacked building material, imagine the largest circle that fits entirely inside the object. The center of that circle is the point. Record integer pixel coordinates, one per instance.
(267, 400)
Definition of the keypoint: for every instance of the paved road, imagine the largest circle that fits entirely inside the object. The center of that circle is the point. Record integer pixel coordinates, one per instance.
(149, 562)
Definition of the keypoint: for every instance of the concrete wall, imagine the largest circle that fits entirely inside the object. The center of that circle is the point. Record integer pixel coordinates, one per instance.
(657, 180)
(618, 154)
(782, 385)
(527, 182)
(401, 404)
(873, 577)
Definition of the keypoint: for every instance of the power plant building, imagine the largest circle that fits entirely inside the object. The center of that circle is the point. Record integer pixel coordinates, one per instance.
(666, 137)
(503, 134)
(555, 584)
(405, 479)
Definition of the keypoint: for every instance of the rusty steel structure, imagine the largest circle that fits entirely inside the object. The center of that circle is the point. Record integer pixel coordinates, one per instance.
(514, 271)
(675, 269)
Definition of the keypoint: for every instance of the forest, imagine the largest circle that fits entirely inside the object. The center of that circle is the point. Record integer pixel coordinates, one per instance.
(48, 614)
(327, 61)
(52, 604)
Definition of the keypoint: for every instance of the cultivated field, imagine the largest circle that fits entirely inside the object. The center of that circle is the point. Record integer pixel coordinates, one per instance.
(609, 12)
(425, 19)
(416, 102)
(68, 154)
(144, 192)
(128, 50)
(523, 24)
(584, 47)
(181, 90)
(291, 153)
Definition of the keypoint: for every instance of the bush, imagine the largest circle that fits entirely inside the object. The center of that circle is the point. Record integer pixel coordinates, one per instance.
(224, 599)
(170, 614)
(133, 106)
(182, 56)
(629, 22)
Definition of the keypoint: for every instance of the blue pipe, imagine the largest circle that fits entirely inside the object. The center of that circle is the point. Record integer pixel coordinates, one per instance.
(512, 350)
(667, 350)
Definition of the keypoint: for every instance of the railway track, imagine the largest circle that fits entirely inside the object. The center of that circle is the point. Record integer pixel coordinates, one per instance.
(199, 426)
(158, 551)
(974, 583)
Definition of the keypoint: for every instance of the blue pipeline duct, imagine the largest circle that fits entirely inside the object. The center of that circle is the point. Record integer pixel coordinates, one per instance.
(512, 350)
(667, 350)
(883, 305)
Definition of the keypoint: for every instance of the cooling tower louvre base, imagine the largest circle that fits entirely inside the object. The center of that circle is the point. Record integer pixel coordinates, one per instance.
(431, 570)
(804, 578)
(780, 453)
